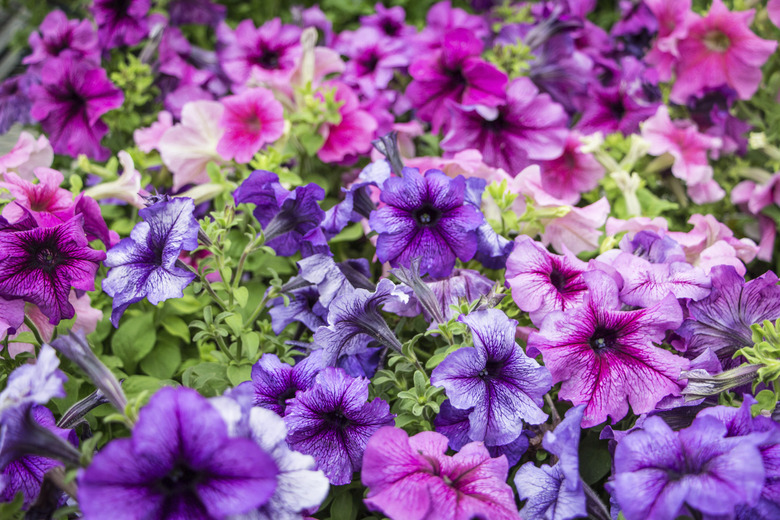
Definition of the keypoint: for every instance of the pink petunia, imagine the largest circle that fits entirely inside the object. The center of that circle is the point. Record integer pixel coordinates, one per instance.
(674, 18)
(571, 174)
(44, 197)
(250, 120)
(148, 139)
(352, 136)
(27, 154)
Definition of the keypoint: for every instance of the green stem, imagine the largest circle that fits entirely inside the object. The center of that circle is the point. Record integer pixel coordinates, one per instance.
(224, 348)
(256, 313)
(202, 279)
(34, 330)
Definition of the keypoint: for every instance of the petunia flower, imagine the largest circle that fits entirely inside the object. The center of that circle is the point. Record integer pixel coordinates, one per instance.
(373, 60)
(179, 463)
(11, 316)
(660, 474)
(674, 19)
(144, 264)
(148, 139)
(411, 478)
(571, 174)
(34, 383)
(606, 357)
(250, 120)
(196, 12)
(442, 18)
(42, 264)
(454, 72)
(426, 216)
(495, 378)
(303, 306)
(542, 282)
(27, 154)
(58, 37)
(332, 421)
(352, 135)
(121, 23)
(15, 101)
(44, 197)
(69, 102)
(720, 49)
(529, 127)
(390, 21)
(274, 383)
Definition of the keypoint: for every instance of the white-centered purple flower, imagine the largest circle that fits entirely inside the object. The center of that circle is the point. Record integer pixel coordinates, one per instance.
(144, 265)
(495, 378)
(332, 421)
(606, 357)
(426, 216)
(179, 463)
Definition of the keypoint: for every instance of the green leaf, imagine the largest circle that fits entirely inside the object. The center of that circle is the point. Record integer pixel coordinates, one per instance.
(237, 374)
(162, 361)
(134, 339)
(207, 378)
(595, 461)
(177, 327)
(236, 323)
(135, 385)
(343, 507)
(13, 510)
(349, 234)
(311, 142)
(241, 294)
(186, 305)
(250, 343)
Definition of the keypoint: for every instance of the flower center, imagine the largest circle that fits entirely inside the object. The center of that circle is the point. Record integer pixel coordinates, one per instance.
(390, 27)
(337, 420)
(717, 41)
(426, 215)
(180, 479)
(602, 339)
(369, 63)
(47, 259)
(253, 124)
(492, 370)
(269, 60)
(558, 279)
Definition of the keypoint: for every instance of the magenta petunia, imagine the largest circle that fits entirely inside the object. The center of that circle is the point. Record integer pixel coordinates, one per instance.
(58, 37)
(720, 49)
(69, 102)
(121, 22)
(350, 137)
(605, 357)
(251, 120)
(373, 59)
(571, 174)
(411, 478)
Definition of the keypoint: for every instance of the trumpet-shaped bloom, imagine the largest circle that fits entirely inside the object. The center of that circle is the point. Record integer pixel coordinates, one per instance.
(571, 174)
(144, 265)
(605, 357)
(426, 216)
(251, 120)
(352, 135)
(121, 23)
(274, 383)
(179, 463)
(58, 37)
(411, 478)
(495, 378)
(332, 421)
(42, 264)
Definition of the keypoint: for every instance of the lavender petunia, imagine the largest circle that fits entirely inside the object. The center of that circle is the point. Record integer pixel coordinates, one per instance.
(42, 264)
(722, 320)
(15, 102)
(144, 265)
(411, 478)
(303, 307)
(332, 421)
(660, 474)
(196, 12)
(179, 463)
(605, 357)
(274, 383)
(426, 216)
(646, 284)
(503, 385)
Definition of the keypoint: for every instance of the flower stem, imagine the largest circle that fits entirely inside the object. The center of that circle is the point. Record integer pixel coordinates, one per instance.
(222, 346)
(34, 330)
(202, 279)
(256, 313)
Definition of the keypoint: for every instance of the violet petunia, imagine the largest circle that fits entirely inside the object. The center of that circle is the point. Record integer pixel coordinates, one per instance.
(69, 102)
(274, 383)
(179, 463)
(411, 478)
(426, 216)
(121, 23)
(660, 474)
(15, 101)
(495, 378)
(373, 60)
(722, 321)
(332, 421)
(303, 306)
(58, 37)
(42, 264)
(606, 357)
(144, 265)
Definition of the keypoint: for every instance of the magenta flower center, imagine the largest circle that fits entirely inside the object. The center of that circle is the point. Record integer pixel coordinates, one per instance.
(603, 339)
(717, 41)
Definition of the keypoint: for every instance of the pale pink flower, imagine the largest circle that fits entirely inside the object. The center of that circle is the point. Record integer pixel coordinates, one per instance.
(571, 174)
(578, 230)
(188, 146)
(753, 198)
(27, 154)
(773, 9)
(148, 139)
(712, 243)
(634, 225)
(720, 50)
(250, 120)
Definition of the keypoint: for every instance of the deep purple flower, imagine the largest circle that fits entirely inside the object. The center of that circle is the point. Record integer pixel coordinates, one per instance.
(636, 28)
(411, 478)
(121, 22)
(144, 264)
(722, 321)
(69, 102)
(332, 421)
(390, 21)
(179, 463)
(503, 385)
(660, 474)
(196, 12)
(529, 127)
(373, 60)
(454, 72)
(286, 216)
(42, 264)
(274, 382)
(354, 321)
(555, 492)
(606, 357)
(11, 316)
(268, 54)
(15, 102)
(654, 248)
(304, 307)
(425, 216)
(542, 282)
(59, 37)
(712, 114)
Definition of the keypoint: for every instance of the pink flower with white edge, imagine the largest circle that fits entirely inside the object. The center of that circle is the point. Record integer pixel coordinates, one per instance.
(27, 154)
(674, 18)
(578, 230)
(188, 146)
(712, 243)
(250, 120)
(148, 139)
(352, 136)
(571, 174)
(721, 50)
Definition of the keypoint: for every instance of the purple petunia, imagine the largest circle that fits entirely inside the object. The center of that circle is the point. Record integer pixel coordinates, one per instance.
(179, 463)
(121, 23)
(144, 265)
(606, 357)
(274, 383)
(426, 216)
(59, 37)
(69, 102)
(495, 378)
(42, 264)
(332, 421)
